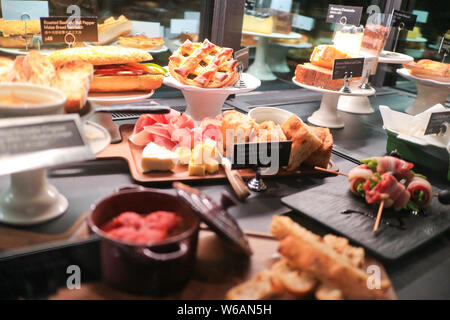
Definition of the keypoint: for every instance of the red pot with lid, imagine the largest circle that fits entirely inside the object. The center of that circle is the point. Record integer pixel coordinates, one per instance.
(160, 267)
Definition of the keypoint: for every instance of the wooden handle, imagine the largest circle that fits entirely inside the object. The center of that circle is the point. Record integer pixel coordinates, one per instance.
(237, 183)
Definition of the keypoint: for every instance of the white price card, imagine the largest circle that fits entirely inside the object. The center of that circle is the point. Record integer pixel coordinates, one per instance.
(178, 26)
(150, 29)
(303, 22)
(13, 10)
(282, 5)
(192, 15)
(369, 66)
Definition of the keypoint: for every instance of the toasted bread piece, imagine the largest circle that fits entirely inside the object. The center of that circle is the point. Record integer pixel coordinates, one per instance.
(269, 131)
(283, 226)
(304, 142)
(341, 245)
(99, 55)
(145, 82)
(261, 286)
(5, 66)
(74, 78)
(327, 292)
(297, 282)
(38, 68)
(321, 157)
(17, 72)
(330, 267)
(236, 127)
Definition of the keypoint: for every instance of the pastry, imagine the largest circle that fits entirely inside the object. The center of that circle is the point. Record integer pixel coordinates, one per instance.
(203, 65)
(429, 69)
(141, 42)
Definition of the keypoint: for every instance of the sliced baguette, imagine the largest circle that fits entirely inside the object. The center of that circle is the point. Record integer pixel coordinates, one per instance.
(327, 292)
(261, 286)
(296, 282)
(304, 141)
(321, 157)
(73, 78)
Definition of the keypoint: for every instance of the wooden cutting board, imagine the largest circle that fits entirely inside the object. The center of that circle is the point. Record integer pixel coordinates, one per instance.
(217, 271)
(133, 155)
(399, 232)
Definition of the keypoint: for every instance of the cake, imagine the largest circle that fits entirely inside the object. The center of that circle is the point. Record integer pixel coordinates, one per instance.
(317, 76)
(324, 55)
(348, 39)
(258, 24)
(374, 38)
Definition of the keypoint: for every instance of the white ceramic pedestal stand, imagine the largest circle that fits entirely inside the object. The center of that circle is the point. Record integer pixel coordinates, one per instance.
(30, 199)
(259, 68)
(361, 105)
(208, 102)
(429, 92)
(278, 53)
(327, 115)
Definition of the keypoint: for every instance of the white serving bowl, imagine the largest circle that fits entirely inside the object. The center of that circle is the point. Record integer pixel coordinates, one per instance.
(277, 115)
(48, 100)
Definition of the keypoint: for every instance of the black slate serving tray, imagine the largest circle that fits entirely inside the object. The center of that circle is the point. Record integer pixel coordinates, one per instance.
(399, 232)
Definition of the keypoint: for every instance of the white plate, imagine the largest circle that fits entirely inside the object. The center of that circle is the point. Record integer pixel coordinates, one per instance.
(429, 82)
(394, 57)
(301, 45)
(20, 51)
(250, 81)
(97, 137)
(119, 97)
(292, 35)
(354, 88)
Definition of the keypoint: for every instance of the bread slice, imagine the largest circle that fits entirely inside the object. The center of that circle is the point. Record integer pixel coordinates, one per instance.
(304, 142)
(327, 292)
(100, 55)
(17, 72)
(324, 56)
(38, 68)
(73, 78)
(295, 281)
(145, 82)
(261, 286)
(321, 157)
(330, 267)
(317, 76)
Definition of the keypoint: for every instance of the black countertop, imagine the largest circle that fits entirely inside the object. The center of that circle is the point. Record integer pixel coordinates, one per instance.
(420, 275)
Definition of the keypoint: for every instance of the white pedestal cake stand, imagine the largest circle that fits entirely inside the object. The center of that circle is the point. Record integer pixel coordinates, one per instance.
(30, 199)
(361, 105)
(327, 115)
(259, 68)
(429, 92)
(208, 102)
(278, 53)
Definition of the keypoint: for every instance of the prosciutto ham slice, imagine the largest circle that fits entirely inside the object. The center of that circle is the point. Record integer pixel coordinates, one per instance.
(420, 190)
(387, 188)
(173, 129)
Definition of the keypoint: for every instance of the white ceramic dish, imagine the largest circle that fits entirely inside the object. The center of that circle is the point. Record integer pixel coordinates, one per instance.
(119, 97)
(48, 100)
(277, 115)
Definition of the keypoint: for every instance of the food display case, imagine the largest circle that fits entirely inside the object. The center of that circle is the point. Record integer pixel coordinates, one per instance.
(224, 149)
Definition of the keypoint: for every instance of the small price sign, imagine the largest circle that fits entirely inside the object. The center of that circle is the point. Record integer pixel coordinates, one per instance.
(347, 67)
(344, 14)
(403, 19)
(63, 29)
(439, 123)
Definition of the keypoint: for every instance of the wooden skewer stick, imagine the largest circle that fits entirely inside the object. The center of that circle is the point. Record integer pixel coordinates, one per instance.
(380, 211)
(330, 171)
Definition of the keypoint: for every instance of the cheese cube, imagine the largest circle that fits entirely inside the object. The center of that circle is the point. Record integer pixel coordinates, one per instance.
(212, 166)
(185, 154)
(209, 149)
(157, 158)
(196, 169)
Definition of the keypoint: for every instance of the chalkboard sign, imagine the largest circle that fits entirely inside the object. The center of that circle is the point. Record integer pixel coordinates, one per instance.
(347, 67)
(408, 19)
(261, 154)
(344, 14)
(69, 29)
(439, 123)
(40, 142)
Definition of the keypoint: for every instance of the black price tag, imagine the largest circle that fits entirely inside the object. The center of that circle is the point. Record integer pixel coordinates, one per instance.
(439, 123)
(66, 29)
(344, 14)
(242, 56)
(261, 154)
(404, 19)
(445, 45)
(41, 142)
(347, 67)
